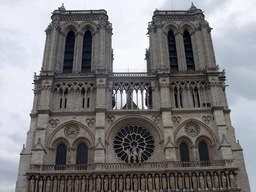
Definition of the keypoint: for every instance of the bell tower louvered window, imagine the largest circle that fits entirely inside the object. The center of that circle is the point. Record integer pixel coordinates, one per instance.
(184, 153)
(172, 52)
(69, 52)
(188, 51)
(203, 151)
(61, 154)
(87, 52)
(82, 154)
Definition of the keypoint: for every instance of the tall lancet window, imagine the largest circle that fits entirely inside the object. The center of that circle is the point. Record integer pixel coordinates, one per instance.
(87, 52)
(172, 52)
(188, 51)
(61, 154)
(82, 154)
(69, 52)
(184, 153)
(203, 151)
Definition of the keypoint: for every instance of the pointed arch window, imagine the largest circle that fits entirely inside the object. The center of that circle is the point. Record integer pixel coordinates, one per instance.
(203, 151)
(188, 51)
(69, 52)
(87, 52)
(61, 154)
(184, 153)
(172, 51)
(82, 154)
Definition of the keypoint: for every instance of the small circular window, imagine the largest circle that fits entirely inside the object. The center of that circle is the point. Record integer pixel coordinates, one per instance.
(133, 144)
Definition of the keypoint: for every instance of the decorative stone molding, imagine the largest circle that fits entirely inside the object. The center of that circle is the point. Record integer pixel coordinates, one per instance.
(110, 119)
(176, 120)
(54, 122)
(192, 129)
(156, 118)
(90, 122)
(207, 119)
(72, 131)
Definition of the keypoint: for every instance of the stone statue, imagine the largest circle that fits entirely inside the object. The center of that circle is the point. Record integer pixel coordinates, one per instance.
(143, 183)
(201, 180)
(172, 181)
(194, 181)
(55, 184)
(180, 181)
(187, 181)
(120, 183)
(232, 181)
(32, 184)
(48, 185)
(98, 183)
(150, 182)
(83, 185)
(128, 183)
(208, 180)
(134, 154)
(90, 184)
(223, 180)
(62, 185)
(129, 156)
(135, 183)
(40, 185)
(113, 183)
(164, 182)
(77, 184)
(216, 180)
(105, 183)
(69, 184)
(140, 155)
(157, 183)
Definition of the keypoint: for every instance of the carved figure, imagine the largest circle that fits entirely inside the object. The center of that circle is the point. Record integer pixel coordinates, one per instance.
(232, 181)
(83, 185)
(140, 155)
(143, 183)
(164, 182)
(77, 184)
(157, 183)
(216, 180)
(90, 184)
(172, 181)
(121, 183)
(55, 185)
(180, 182)
(98, 183)
(128, 155)
(208, 180)
(186, 181)
(201, 180)
(113, 183)
(223, 180)
(135, 183)
(105, 183)
(62, 185)
(40, 185)
(128, 183)
(48, 185)
(69, 185)
(150, 182)
(194, 181)
(134, 155)
(32, 184)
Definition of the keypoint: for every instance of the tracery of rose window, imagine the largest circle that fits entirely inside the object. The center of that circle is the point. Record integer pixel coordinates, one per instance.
(133, 144)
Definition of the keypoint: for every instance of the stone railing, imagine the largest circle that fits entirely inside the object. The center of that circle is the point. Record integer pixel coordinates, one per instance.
(133, 74)
(101, 11)
(131, 166)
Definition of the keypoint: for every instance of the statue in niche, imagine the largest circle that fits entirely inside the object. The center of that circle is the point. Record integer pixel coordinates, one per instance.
(55, 184)
(164, 182)
(121, 183)
(187, 181)
(135, 183)
(128, 183)
(216, 180)
(83, 185)
(134, 154)
(232, 181)
(62, 185)
(40, 185)
(150, 182)
(143, 183)
(172, 181)
(90, 184)
(157, 183)
(223, 180)
(201, 180)
(77, 184)
(105, 183)
(69, 184)
(113, 183)
(32, 184)
(180, 181)
(140, 155)
(129, 156)
(98, 183)
(208, 180)
(48, 185)
(194, 181)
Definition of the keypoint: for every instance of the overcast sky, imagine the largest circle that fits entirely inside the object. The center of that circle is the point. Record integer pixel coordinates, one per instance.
(22, 38)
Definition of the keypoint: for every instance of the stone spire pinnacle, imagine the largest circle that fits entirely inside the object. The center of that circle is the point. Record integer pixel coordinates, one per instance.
(192, 8)
(62, 8)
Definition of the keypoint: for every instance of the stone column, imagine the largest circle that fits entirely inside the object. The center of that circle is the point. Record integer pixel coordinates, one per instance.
(180, 52)
(78, 51)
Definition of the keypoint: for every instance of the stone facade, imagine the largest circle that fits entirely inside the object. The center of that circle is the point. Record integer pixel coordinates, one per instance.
(164, 130)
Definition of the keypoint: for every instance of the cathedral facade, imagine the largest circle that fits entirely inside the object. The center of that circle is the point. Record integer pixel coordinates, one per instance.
(94, 130)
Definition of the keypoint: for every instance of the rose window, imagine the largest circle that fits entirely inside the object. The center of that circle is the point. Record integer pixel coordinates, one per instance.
(192, 129)
(72, 131)
(133, 144)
